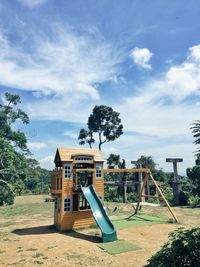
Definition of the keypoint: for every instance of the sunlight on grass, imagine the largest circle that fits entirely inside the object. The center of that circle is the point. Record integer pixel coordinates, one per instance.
(29, 208)
(137, 221)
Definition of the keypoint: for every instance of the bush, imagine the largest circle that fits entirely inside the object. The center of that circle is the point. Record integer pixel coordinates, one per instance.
(6, 195)
(132, 197)
(194, 201)
(111, 194)
(168, 193)
(182, 249)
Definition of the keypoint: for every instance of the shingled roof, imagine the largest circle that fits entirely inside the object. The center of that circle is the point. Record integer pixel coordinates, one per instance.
(66, 154)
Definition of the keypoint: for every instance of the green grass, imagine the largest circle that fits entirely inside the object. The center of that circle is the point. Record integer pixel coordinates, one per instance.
(27, 209)
(31, 249)
(137, 221)
(3, 234)
(38, 254)
(6, 224)
(117, 247)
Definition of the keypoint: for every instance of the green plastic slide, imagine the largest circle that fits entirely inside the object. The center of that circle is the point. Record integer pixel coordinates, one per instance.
(107, 228)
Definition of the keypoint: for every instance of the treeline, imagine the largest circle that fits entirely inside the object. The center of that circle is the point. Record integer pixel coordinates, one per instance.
(19, 173)
(190, 184)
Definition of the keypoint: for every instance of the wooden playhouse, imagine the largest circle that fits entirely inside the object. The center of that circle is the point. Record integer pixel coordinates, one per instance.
(74, 168)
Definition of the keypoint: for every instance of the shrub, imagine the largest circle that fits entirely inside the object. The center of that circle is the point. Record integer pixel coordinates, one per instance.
(194, 200)
(182, 249)
(111, 194)
(132, 197)
(168, 193)
(6, 194)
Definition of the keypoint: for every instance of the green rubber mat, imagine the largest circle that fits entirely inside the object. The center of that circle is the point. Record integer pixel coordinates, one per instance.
(117, 247)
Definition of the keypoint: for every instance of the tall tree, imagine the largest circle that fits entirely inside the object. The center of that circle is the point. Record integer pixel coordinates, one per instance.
(113, 161)
(146, 162)
(105, 122)
(9, 114)
(194, 176)
(86, 137)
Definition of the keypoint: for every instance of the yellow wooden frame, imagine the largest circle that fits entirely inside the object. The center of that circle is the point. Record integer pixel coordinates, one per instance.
(148, 175)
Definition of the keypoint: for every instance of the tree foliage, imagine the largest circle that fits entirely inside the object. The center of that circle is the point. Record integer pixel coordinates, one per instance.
(182, 249)
(146, 162)
(196, 131)
(9, 114)
(18, 173)
(105, 123)
(113, 161)
(86, 137)
(194, 176)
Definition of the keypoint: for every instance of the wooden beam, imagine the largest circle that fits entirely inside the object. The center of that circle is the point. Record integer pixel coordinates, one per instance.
(151, 196)
(83, 170)
(165, 200)
(140, 194)
(145, 170)
(117, 183)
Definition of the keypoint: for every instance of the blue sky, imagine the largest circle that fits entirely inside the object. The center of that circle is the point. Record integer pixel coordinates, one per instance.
(140, 57)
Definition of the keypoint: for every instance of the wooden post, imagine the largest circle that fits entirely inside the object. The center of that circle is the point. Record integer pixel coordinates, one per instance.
(76, 181)
(140, 194)
(124, 192)
(165, 200)
(176, 182)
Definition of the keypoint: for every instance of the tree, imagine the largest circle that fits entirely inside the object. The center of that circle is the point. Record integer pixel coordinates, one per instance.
(146, 162)
(9, 114)
(194, 176)
(196, 132)
(17, 172)
(113, 161)
(86, 137)
(103, 121)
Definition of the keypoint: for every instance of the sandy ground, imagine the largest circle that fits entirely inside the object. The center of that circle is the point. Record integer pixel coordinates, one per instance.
(36, 243)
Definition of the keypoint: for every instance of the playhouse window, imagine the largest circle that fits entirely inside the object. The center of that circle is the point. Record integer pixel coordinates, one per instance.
(67, 204)
(98, 170)
(83, 158)
(67, 169)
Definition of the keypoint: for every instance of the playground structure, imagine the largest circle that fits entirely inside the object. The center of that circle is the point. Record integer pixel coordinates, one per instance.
(78, 190)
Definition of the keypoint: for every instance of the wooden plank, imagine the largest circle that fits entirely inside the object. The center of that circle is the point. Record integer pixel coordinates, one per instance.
(151, 196)
(83, 170)
(145, 170)
(118, 183)
(165, 200)
(140, 194)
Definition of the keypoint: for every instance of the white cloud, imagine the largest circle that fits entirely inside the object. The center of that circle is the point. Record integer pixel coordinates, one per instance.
(32, 3)
(47, 162)
(141, 57)
(36, 145)
(65, 65)
(194, 53)
(160, 111)
(62, 70)
(71, 134)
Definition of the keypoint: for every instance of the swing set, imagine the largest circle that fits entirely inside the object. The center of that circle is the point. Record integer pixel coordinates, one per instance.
(148, 177)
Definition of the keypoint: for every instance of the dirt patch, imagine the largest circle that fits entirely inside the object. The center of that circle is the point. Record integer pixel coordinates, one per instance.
(28, 239)
(39, 244)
